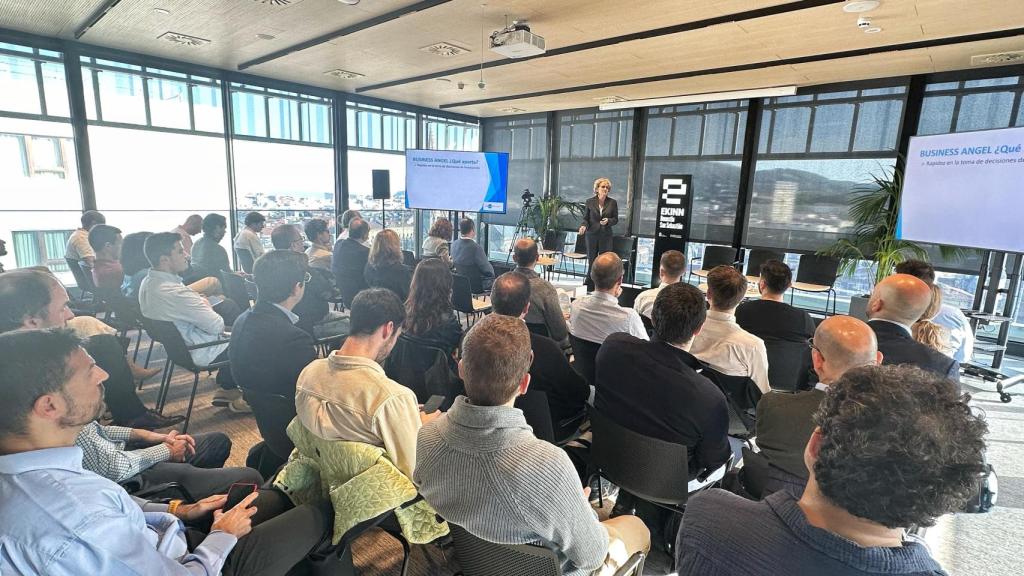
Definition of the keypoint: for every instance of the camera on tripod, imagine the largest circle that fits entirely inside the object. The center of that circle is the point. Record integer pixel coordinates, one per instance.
(527, 197)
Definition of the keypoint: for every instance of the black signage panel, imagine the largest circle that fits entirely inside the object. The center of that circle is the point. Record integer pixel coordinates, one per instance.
(672, 224)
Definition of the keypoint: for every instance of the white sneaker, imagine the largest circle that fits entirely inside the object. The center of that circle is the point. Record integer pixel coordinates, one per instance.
(240, 406)
(224, 398)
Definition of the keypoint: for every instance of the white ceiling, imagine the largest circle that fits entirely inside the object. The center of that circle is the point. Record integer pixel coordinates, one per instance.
(392, 50)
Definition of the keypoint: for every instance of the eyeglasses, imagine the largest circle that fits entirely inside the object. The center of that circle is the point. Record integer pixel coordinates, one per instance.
(306, 277)
(810, 342)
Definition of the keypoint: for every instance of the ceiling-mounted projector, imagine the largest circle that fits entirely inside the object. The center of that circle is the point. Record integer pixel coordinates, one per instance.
(516, 41)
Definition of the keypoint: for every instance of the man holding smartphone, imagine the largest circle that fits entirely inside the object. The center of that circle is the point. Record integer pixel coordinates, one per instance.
(57, 518)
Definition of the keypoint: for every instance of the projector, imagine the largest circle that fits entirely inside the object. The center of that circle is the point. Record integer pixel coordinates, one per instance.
(516, 41)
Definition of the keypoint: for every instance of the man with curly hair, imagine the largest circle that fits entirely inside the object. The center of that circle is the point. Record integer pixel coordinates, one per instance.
(894, 447)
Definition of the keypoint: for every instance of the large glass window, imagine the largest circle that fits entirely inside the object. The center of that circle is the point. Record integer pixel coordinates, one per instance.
(595, 145)
(705, 141)
(526, 141)
(447, 134)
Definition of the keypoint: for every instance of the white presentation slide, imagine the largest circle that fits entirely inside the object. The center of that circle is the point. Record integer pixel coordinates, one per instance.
(965, 190)
(459, 181)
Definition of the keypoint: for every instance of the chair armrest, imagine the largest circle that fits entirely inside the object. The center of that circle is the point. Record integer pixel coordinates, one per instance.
(207, 344)
(633, 566)
(166, 486)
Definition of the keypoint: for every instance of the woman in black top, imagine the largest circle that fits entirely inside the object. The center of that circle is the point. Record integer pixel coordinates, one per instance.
(601, 214)
(384, 268)
(428, 311)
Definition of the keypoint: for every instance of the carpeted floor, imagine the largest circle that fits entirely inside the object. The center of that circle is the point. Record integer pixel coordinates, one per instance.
(965, 544)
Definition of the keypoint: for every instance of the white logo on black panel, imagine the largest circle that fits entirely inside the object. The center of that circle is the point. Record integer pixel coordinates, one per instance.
(673, 191)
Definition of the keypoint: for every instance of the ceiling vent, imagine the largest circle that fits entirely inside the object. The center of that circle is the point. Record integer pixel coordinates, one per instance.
(343, 74)
(183, 39)
(445, 49)
(998, 58)
(610, 99)
(512, 110)
(276, 2)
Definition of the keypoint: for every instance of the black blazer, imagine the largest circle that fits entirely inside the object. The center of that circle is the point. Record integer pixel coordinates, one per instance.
(267, 351)
(551, 373)
(348, 261)
(784, 425)
(897, 347)
(397, 278)
(785, 331)
(593, 215)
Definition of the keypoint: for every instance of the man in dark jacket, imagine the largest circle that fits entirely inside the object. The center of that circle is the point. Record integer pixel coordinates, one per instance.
(550, 372)
(468, 254)
(896, 303)
(349, 260)
(314, 310)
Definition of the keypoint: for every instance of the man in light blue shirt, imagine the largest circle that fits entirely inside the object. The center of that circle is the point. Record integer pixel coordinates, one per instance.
(57, 518)
(598, 314)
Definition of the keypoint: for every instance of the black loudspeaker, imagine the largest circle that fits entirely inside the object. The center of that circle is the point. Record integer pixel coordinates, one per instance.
(381, 184)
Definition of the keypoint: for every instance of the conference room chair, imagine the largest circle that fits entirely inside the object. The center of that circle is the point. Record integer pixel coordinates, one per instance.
(409, 258)
(742, 395)
(273, 413)
(476, 279)
(554, 242)
(245, 259)
(234, 288)
(789, 364)
(713, 256)
(83, 277)
(584, 354)
(817, 274)
(539, 328)
(755, 258)
(123, 315)
(425, 368)
(629, 293)
(178, 355)
(501, 268)
(478, 557)
(579, 253)
(759, 478)
(625, 247)
(463, 301)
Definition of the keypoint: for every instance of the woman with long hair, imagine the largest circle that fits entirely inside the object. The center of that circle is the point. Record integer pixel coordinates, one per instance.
(929, 333)
(428, 311)
(436, 243)
(600, 215)
(384, 267)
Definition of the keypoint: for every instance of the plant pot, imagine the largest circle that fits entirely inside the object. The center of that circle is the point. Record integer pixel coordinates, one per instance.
(859, 306)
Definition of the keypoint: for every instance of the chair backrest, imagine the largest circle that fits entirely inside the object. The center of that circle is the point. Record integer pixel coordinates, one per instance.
(585, 357)
(754, 474)
(82, 274)
(716, 256)
(462, 294)
(409, 259)
(820, 270)
(478, 557)
(554, 240)
(580, 247)
(646, 467)
(788, 364)
(501, 268)
(126, 310)
(629, 293)
(425, 368)
(539, 328)
(476, 279)
(273, 413)
(758, 256)
(537, 413)
(167, 334)
(245, 259)
(742, 394)
(623, 246)
(234, 288)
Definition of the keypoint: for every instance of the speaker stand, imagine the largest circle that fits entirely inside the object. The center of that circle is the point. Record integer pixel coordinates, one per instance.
(383, 215)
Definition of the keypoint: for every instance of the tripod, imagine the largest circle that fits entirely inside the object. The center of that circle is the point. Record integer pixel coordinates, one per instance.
(522, 226)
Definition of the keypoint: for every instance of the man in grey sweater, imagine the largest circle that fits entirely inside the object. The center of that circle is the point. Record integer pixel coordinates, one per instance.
(481, 467)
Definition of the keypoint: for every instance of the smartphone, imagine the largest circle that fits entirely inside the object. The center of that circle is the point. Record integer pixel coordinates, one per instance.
(237, 493)
(432, 404)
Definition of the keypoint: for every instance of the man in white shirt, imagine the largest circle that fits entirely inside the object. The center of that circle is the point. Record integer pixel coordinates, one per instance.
(670, 271)
(193, 225)
(78, 247)
(320, 250)
(598, 314)
(163, 296)
(722, 343)
(960, 345)
(249, 237)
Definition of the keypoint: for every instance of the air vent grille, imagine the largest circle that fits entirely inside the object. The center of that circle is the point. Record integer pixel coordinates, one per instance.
(183, 39)
(275, 2)
(445, 49)
(343, 74)
(610, 99)
(998, 58)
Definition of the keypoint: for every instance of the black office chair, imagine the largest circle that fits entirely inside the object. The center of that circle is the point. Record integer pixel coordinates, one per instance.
(178, 354)
(273, 413)
(554, 240)
(328, 559)
(789, 364)
(245, 259)
(463, 301)
(625, 246)
(817, 274)
(478, 557)
(742, 395)
(758, 256)
(476, 279)
(124, 316)
(234, 288)
(537, 413)
(424, 368)
(409, 258)
(713, 256)
(579, 252)
(585, 357)
(628, 295)
(539, 328)
(83, 277)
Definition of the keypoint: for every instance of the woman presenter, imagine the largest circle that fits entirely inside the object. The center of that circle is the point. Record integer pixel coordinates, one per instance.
(601, 214)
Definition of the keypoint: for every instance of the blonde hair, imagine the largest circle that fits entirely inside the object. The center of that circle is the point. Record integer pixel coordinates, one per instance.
(600, 181)
(386, 249)
(927, 332)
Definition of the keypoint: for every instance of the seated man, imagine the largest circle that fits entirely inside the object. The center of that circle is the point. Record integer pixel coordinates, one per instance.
(481, 467)
(314, 310)
(550, 371)
(654, 389)
(961, 336)
(783, 328)
(58, 518)
(107, 273)
(347, 396)
(348, 261)
(722, 343)
(319, 251)
(544, 306)
(162, 296)
(871, 477)
(785, 420)
(598, 314)
(192, 226)
(671, 267)
(208, 256)
(78, 247)
(896, 303)
(34, 299)
(466, 253)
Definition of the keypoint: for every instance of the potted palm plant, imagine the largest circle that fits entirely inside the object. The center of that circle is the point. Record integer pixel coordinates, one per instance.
(874, 208)
(552, 214)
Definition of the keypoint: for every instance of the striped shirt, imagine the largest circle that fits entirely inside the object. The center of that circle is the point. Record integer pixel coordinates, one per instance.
(103, 452)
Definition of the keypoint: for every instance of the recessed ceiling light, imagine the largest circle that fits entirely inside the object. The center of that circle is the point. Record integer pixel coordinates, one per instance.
(873, 30)
(349, 2)
(343, 74)
(609, 99)
(161, 11)
(858, 6)
(512, 109)
(266, 37)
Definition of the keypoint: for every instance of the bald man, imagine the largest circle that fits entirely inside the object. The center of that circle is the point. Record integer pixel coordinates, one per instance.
(896, 303)
(784, 419)
(193, 225)
(544, 306)
(598, 314)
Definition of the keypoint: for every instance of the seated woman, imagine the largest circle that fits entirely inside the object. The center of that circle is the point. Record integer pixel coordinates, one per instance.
(384, 267)
(436, 243)
(428, 311)
(928, 332)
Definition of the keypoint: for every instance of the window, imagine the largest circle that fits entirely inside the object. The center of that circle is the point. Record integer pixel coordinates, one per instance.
(595, 145)
(377, 128)
(278, 115)
(526, 141)
(361, 164)
(446, 134)
(32, 81)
